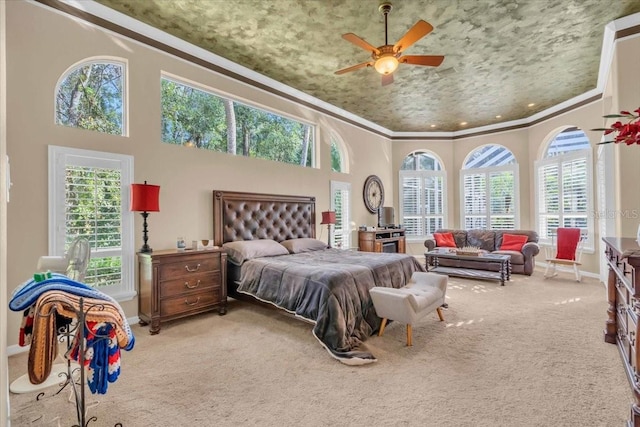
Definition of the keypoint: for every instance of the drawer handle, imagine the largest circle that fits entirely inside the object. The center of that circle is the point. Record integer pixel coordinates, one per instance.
(192, 287)
(190, 270)
(192, 303)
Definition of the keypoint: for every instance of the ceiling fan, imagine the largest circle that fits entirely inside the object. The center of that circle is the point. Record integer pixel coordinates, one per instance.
(385, 59)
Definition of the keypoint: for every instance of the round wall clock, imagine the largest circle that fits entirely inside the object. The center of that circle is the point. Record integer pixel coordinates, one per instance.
(373, 193)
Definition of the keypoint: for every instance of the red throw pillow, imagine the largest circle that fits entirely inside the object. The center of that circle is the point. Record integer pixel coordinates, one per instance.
(513, 242)
(445, 240)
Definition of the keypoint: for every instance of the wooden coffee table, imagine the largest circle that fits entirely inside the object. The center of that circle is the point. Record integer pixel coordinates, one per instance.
(502, 275)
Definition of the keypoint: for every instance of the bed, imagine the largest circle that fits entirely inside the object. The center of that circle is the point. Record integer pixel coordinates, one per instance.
(274, 257)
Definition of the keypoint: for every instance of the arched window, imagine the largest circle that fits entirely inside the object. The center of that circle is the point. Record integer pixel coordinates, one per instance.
(338, 163)
(423, 198)
(563, 185)
(489, 180)
(90, 95)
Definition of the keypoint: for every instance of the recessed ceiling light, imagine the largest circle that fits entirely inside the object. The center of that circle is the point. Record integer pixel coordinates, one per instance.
(463, 124)
(498, 116)
(531, 105)
(433, 126)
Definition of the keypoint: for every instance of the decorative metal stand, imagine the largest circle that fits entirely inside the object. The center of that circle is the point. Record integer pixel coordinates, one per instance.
(78, 386)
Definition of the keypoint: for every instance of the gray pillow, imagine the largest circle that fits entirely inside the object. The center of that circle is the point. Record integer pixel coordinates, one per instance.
(241, 251)
(304, 244)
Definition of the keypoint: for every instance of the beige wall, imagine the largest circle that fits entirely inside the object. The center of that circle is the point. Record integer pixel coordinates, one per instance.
(41, 45)
(626, 96)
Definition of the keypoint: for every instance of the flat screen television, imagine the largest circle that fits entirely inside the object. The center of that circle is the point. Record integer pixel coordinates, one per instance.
(386, 217)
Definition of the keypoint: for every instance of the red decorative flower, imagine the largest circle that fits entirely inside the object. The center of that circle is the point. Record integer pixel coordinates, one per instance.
(628, 133)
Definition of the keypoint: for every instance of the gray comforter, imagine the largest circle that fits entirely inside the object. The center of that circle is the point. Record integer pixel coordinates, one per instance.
(331, 288)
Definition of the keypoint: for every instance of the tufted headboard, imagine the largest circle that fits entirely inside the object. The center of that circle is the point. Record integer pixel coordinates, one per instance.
(249, 216)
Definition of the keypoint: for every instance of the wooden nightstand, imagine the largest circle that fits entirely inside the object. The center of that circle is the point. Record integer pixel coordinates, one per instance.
(174, 284)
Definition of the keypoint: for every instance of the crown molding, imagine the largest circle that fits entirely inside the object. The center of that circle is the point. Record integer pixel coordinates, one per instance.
(122, 25)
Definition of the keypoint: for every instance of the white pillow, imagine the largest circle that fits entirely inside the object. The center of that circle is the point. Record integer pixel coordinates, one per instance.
(243, 250)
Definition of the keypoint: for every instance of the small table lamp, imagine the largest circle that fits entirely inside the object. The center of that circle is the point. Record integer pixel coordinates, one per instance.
(145, 198)
(328, 218)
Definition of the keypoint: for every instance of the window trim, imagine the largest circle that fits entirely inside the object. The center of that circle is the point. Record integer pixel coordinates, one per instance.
(125, 87)
(342, 186)
(513, 167)
(59, 157)
(586, 154)
(422, 174)
(315, 131)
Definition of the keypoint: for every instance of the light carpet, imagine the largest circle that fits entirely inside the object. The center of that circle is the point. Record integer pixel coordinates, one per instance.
(530, 353)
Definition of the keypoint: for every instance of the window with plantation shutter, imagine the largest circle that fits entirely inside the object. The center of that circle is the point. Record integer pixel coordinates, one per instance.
(422, 196)
(341, 205)
(563, 186)
(489, 184)
(88, 197)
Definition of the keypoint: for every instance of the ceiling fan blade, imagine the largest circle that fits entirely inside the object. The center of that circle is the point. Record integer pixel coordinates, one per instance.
(427, 60)
(387, 79)
(418, 31)
(360, 42)
(354, 67)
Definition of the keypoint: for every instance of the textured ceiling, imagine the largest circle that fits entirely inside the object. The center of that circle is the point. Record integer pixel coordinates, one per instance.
(500, 55)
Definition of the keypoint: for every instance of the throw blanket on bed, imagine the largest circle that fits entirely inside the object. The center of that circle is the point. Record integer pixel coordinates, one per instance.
(331, 288)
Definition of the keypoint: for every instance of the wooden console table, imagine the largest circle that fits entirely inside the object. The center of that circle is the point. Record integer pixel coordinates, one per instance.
(382, 240)
(623, 293)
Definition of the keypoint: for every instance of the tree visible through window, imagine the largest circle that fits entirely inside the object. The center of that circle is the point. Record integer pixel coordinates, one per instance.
(90, 96)
(196, 118)
(422, 195)
(489, 183)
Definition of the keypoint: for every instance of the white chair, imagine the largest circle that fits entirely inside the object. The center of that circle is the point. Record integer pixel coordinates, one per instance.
(73, 264)
(424, 293)
(565, 250)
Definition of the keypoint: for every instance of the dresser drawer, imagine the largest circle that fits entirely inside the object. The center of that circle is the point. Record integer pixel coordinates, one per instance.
(184, 304)
(189, 267)
(191, 283)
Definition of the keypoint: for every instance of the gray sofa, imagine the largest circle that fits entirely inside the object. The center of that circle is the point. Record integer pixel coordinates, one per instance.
(522, 262)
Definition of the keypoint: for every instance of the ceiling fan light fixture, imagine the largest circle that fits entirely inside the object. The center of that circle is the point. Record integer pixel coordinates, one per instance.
(386, 64)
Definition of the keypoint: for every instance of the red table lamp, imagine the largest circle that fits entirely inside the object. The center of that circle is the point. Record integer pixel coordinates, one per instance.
(145, 198)
(328, 218)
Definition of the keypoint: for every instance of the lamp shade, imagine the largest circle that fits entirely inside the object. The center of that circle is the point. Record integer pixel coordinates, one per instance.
(328, 217)
(145, 197)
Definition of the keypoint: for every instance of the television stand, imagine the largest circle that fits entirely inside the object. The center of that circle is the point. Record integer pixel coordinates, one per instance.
(382, 240)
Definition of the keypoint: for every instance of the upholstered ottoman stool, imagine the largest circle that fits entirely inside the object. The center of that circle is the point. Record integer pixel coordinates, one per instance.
(424, 293)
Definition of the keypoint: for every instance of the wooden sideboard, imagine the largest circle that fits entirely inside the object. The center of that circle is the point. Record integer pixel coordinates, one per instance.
(176, 284)
(382, 240)
(623, 293)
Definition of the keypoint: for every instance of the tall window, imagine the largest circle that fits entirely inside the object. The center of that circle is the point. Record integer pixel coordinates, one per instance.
(341, 204)
(195, 117)
(422, 195)
(88, 197)
(91, 96)
(563, 186)
(489, 180)
(336, 157)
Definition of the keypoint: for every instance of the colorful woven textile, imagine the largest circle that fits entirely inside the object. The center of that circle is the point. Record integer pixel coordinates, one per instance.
(103, 362)
(56, 301)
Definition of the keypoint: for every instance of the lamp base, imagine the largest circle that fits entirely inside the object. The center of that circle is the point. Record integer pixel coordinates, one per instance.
(146, 250)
